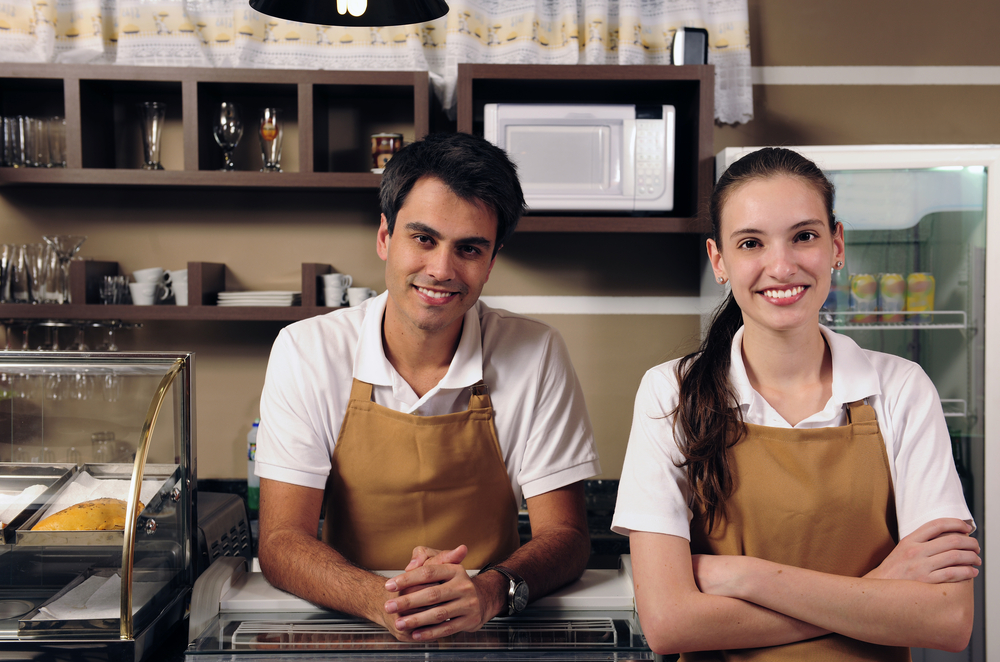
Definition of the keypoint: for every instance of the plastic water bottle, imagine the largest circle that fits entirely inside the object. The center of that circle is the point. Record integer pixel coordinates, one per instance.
(253, 483)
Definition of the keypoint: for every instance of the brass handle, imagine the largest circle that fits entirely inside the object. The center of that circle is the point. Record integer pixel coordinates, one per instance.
(128, 545)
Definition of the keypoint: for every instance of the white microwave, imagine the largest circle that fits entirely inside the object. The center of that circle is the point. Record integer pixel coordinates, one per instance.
(573, 157)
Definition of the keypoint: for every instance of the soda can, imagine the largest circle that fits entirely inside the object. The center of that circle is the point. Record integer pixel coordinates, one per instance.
(891, 296)
(864, 298)
(920, 295)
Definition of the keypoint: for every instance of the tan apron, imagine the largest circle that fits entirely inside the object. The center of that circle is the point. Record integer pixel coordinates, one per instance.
(400, 480)
(813, 498)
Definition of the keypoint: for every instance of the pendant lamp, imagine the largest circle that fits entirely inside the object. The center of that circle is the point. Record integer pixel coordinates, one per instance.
(353, 13)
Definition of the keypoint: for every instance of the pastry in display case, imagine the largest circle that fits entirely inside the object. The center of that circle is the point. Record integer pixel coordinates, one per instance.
(96, 500)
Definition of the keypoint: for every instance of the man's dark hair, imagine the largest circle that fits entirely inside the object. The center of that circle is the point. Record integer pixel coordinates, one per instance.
(474, 169)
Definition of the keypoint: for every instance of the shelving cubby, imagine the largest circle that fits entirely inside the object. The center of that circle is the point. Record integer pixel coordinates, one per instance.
(690, 89)
(329, 117)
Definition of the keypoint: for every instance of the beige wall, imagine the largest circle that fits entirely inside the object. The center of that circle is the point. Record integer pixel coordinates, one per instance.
(263, 236)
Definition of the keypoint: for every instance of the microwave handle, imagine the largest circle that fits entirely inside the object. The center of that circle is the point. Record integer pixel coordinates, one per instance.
(628, 157)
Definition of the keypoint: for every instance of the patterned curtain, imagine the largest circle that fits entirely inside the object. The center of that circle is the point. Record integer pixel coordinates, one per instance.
(228, 33)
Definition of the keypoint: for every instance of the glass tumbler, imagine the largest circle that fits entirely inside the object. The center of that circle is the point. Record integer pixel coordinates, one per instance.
(270, 139)
(152, 114)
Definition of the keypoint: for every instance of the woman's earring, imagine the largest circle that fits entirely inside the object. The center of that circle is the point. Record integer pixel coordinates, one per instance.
(722, 281)
(840, 265)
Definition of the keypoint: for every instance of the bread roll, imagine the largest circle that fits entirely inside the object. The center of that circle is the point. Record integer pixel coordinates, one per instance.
(93, 515)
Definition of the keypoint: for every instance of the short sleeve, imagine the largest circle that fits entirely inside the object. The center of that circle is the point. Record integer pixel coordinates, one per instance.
(290, 443)
(653, 492)
(560, 448)
(927, 484)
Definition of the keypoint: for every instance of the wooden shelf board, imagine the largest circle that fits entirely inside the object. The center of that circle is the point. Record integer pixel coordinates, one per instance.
(531, 223)
(85, 312)
(182, 178)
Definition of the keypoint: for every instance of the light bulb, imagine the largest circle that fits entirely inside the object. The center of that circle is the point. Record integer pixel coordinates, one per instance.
(357, 7)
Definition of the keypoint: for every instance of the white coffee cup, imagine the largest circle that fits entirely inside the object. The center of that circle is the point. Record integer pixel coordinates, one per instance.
(334, 296)
(143, 293)
(181, 293)
(356, 295)
(151, 275)
(176, 276)
(337, 280)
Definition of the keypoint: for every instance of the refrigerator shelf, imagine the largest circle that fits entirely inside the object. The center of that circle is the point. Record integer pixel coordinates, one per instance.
(917, 321)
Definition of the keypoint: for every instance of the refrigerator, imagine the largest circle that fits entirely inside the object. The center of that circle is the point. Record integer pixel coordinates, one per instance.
(917, 216)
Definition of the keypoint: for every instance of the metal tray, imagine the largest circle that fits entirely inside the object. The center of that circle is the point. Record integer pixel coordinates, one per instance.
(15, 478)
(167, 474)
(162, 587)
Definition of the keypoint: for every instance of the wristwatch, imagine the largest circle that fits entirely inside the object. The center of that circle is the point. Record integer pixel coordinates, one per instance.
(517, 591)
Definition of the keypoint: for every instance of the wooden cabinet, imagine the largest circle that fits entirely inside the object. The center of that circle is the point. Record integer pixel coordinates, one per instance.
(329, 116)
(690, 89)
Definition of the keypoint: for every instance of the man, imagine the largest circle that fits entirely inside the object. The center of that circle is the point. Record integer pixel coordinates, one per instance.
(418, 420)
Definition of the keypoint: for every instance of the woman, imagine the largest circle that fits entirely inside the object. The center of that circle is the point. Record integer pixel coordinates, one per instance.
(813, 479)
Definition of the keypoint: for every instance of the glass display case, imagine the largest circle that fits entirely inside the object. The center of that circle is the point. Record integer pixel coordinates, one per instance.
(96, 501)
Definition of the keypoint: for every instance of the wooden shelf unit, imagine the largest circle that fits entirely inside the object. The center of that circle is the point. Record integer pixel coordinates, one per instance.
(205, 281)
(334, 114)
(690, 89)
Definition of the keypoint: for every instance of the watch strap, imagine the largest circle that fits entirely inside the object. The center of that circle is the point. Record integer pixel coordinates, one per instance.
(514, 580)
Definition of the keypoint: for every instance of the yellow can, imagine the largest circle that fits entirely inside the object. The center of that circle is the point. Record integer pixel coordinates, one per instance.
(920, 295)
(864, 298)
(891, 297)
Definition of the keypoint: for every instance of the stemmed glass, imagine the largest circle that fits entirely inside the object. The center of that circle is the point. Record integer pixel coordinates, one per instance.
(228, 130)
(108, 344)
(270, 133)
(65, 246)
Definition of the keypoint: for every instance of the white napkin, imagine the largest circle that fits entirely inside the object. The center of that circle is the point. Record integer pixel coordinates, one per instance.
(12, 504)
(97, 598)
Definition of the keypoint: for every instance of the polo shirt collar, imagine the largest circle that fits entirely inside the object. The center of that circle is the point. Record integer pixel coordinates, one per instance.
(854, 376)
(371, 365)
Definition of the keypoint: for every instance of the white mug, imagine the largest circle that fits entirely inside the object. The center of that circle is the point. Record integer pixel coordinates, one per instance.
(356, 295)
(334, 296)
(337, 280)
(143, 293)
(151, 275)
(181, 293)
(176, 276)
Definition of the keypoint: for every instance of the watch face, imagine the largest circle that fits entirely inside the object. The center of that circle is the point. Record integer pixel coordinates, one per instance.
(520, 600)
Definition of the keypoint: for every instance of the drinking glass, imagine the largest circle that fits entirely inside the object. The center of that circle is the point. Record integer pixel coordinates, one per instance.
(40, 155)
(228, 130)
(65, 246)
(113, 289)
(19, 275)
(57, 142)
(270, 139)
(34, 259)
(152, 114)
(51, 288)
(6, 259)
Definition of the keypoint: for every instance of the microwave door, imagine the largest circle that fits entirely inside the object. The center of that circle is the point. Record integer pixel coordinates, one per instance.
(585, 166)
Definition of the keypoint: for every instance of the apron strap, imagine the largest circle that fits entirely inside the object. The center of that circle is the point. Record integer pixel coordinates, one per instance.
(862, 415)
(362, 391)
(480, 398)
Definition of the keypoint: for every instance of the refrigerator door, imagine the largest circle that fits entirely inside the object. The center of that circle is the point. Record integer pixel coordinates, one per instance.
(922, 224)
